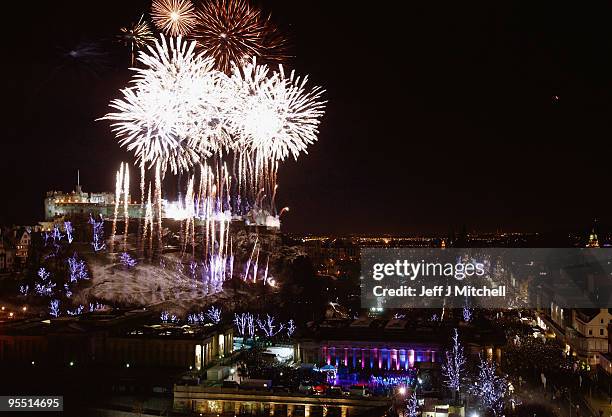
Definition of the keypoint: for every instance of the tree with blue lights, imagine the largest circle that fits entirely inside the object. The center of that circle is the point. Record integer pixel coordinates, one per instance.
(43, 274)
(77, 269)
(54, 310)
(240, 320)
(98, 233)
(214, 315)
(467, 314)
(268, 325)
(412, 406)
(69, 231)
(164, 316)
(127, 260)
(291, 327)
(490, 388)
(57, 234)
(453, 366)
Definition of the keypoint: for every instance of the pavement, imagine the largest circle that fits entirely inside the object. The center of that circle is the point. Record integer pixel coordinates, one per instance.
(531, 394)
(599, 400)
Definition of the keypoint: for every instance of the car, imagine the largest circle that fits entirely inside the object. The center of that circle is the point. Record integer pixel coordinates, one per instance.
(319, 389)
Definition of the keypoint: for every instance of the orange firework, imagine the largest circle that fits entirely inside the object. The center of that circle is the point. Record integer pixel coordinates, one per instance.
(232, 32)
(173, 17)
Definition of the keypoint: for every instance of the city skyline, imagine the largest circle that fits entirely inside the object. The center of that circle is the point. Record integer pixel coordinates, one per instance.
(269, 208)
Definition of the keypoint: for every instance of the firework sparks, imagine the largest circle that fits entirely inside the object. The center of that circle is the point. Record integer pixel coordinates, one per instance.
(118, 185)
(180, 111)
(274, 116)
(169, 115)
(137, 35)
(126, 202)
(85, 56)
(173, 17)
(231, 31)
(278, 116)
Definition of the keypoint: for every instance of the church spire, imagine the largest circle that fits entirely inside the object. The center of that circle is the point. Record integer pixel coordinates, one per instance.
(593, 240)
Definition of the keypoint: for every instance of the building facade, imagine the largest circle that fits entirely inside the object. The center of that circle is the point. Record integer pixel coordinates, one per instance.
(7, 255)
(112, 342)
(588, 336)
(23, 241)
(79, 203)
(385, 347)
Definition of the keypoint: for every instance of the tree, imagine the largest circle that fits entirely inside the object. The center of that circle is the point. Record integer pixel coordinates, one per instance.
(291, 328)
(467, 314)
(214, 315)
(412, 406)
(240, 320)
(97, 233)
(453, 365)
(127, 260)
(268, 325)
(54, 310)
(490, 388)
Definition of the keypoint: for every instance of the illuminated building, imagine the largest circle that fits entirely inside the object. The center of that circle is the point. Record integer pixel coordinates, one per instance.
(363, 345)
(79, 203)
(265, 402)
(383, 346)
(588, 336)
(113, 339)
(593, 240)
(23, 240)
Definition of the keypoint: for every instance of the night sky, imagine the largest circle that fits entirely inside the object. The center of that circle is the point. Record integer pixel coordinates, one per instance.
(493, 115)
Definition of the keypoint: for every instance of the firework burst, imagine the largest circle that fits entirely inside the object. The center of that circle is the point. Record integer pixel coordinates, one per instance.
(165, 116)
(231, 32)
(173, 17)
(278, 115)
(137, 36)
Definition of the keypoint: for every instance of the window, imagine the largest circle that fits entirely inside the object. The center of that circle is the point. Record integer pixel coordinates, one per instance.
(601, 332)
(590, 332)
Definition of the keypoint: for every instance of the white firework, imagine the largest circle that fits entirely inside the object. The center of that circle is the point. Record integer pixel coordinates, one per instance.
(274, 116)
(172, 114)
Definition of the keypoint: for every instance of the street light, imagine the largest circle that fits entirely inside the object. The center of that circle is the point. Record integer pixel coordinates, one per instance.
(402, 390)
